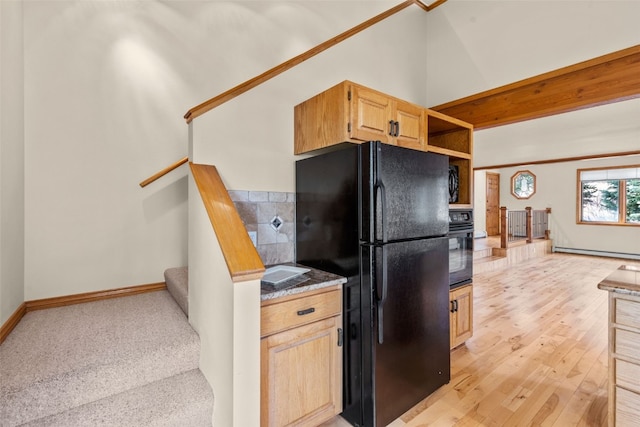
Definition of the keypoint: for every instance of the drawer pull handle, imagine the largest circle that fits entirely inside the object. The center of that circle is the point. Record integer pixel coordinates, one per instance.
(306, 311)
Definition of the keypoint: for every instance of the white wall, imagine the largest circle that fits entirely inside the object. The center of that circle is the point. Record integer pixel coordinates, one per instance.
(250, 141)
(476, 45)
(480, 201)
(226, 316)
(250, 138)
(106, 85)
(556, 182)
(556, 187)
(611, 128)
(11, 159)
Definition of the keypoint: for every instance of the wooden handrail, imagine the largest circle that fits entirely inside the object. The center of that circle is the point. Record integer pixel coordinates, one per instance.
(163, 172)
(433, 5)
(241, 256)
(202, 108)
(228, 95)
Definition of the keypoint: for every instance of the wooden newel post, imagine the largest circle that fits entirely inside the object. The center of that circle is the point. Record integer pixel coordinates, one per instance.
(529, 224)
(504, 227)
(547, 231)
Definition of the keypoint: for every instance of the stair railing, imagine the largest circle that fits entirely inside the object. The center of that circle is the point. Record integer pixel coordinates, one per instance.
(241, 257)
(523, 226)
(164, 171)
(212, 103)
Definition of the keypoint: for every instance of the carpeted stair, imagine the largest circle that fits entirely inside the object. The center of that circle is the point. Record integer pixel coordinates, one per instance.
(121, 362)
(177, 280)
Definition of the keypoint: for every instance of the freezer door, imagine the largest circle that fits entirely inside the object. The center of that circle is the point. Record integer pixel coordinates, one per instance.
(404, 193)
(327, 215)
(409, 303)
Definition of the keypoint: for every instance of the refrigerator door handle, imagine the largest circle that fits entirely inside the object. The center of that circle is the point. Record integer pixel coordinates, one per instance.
(382, 296)
(378, 187)
(380, 201)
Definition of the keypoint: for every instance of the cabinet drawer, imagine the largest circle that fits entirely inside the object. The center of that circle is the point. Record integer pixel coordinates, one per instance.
(627, 408)
(627, 313)
(628, 375)
(627, 343)
(288, 314)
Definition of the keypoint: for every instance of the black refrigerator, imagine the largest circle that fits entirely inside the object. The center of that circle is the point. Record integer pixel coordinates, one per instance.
(378, 215)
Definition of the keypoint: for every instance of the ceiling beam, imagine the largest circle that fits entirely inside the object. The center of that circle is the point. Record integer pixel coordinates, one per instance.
(606, 79)
(560, 160)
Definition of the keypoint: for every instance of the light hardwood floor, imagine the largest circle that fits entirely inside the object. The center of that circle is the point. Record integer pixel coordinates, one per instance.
(538, 356)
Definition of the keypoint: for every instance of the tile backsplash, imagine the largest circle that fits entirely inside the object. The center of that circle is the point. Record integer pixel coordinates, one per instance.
(271, 215)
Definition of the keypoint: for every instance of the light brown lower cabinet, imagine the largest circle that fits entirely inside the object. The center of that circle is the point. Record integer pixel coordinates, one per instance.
(461, 314)
(301, 359)
(624, 359)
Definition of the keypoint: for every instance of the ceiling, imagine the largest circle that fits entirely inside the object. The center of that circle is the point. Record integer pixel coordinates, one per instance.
(480, 45)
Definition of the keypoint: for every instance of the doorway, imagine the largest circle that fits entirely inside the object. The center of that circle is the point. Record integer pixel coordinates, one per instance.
(493, 204)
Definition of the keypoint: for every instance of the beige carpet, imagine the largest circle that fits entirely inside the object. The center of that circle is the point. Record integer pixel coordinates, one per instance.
(97, 361)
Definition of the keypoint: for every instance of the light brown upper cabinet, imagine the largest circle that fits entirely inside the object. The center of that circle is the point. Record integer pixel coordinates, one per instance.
(349, 112)
(375, 116)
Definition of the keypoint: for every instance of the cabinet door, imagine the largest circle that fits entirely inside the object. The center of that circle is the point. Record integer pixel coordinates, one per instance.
(301, 381)
(411, 125)
(370, 115)
(461, 314)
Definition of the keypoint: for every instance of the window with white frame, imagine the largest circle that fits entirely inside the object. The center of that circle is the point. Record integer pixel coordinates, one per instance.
(609, 196)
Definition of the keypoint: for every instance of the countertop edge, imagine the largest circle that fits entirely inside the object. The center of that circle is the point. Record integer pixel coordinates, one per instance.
(317, 279)
(620, 287)
(299, 290)
(624, 280)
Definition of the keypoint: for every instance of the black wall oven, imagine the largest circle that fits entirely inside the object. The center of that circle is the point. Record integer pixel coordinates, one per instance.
(460, 247)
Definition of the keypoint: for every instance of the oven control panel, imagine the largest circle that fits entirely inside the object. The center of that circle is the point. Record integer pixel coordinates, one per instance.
(461, 216)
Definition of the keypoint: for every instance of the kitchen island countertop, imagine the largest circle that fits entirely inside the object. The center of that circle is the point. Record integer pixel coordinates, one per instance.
(313, 279)
(626, 279)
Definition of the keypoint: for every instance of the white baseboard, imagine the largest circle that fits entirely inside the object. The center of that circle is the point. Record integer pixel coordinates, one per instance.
(596, 253)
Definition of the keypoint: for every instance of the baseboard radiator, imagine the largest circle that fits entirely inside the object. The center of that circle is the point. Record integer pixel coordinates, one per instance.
(596, 253)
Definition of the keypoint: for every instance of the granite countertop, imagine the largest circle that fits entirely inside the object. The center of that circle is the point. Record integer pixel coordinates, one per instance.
(314, 279)
(626, 279)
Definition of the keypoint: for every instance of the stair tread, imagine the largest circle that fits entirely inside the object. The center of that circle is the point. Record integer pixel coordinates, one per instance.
(50, 365)
(181, 400)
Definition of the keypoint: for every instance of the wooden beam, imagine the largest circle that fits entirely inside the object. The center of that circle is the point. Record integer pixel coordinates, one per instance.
(609, 78)
(559, 160)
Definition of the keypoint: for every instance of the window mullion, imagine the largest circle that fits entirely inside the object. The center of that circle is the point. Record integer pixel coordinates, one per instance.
(623, 201)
